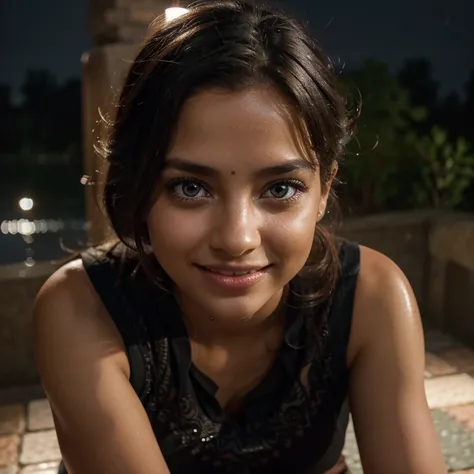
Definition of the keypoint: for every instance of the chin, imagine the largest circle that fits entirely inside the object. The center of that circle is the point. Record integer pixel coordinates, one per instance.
(239, 308)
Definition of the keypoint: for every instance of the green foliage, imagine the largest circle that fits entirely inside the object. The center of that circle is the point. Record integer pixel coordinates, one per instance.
(375, 157)
(398, 159)
(447, 170)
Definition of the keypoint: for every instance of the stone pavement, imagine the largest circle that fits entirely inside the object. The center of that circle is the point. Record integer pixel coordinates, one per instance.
(28, 443)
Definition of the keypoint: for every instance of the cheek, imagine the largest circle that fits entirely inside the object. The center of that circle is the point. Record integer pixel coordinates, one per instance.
(291, 235)
(173, 231)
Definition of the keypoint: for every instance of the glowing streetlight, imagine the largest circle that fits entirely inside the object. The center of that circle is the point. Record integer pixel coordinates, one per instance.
(174, 12)
(26, 204)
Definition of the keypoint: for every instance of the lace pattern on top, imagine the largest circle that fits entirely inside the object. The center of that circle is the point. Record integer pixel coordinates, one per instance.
(311, 403)
(255, 442)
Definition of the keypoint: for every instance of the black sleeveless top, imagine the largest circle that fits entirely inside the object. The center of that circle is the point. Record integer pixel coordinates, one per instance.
(293, 421)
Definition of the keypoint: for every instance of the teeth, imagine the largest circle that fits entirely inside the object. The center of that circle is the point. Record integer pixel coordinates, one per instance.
(234, 273)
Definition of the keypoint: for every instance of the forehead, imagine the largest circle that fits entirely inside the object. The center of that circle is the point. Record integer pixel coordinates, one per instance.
(245, 129)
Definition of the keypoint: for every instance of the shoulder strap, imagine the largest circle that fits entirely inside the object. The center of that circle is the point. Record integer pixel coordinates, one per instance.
(104, 276)
(340, 317)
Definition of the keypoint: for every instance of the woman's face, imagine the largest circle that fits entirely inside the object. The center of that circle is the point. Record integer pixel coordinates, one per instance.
(237, 205)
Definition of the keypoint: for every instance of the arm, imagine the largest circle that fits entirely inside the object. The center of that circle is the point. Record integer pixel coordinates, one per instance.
(392, 420)
(101, 425)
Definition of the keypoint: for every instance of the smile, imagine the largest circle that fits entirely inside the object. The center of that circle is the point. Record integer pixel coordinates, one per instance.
(233, 279)
(231, 273)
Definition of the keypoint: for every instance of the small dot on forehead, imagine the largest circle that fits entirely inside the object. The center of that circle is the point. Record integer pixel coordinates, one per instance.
(232, 172)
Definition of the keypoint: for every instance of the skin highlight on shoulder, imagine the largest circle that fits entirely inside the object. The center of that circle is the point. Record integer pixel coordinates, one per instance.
(387, 396)
(68, 309)
(383, 291)
(85, 373)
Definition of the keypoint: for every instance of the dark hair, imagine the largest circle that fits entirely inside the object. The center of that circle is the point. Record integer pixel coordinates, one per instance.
(231, 44)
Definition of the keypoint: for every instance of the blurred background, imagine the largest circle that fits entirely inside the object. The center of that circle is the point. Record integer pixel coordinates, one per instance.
(408, 177)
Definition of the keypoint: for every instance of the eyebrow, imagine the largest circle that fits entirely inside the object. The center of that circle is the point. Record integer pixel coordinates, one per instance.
(275, 170)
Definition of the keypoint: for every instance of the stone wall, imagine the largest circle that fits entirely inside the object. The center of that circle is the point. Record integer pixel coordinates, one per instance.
(103, 72)
(450, 283)
(402, 237)
(436, 252)
(117, 28)
(18, 288)
(122, 21)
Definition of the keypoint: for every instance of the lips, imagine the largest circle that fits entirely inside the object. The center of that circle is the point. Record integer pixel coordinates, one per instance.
(231, 271)
(233, 279)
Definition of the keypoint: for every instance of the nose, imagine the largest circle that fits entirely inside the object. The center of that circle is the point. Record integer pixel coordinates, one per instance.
(236, 230)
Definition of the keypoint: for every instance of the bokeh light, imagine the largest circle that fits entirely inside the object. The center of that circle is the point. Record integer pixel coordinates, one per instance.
(174, 12)
(26, 204)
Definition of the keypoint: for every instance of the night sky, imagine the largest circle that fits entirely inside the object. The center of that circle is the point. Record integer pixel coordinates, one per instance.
(52, 34)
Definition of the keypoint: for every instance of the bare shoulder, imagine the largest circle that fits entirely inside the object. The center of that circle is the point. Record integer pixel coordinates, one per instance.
(70, 286)
(101, 424)
(391, 416)
(68, 315)
(385, 305)
(377, 269)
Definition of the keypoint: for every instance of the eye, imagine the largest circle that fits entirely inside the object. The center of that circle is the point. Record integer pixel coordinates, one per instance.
(282, 191)
(188, 189)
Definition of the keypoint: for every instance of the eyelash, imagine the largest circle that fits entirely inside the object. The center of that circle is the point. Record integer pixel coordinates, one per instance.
(299, 186)
(171, 185)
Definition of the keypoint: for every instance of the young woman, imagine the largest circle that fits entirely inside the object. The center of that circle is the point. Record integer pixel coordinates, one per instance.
(228, 331)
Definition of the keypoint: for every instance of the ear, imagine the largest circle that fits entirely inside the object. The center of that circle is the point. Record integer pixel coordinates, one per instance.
(326, 190)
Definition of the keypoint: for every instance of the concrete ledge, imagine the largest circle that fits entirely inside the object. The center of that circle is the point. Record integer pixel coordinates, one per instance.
(402, 237)
(436, 252)
(21, 272)
(17, 366)
(392, 219)
(453, 239)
